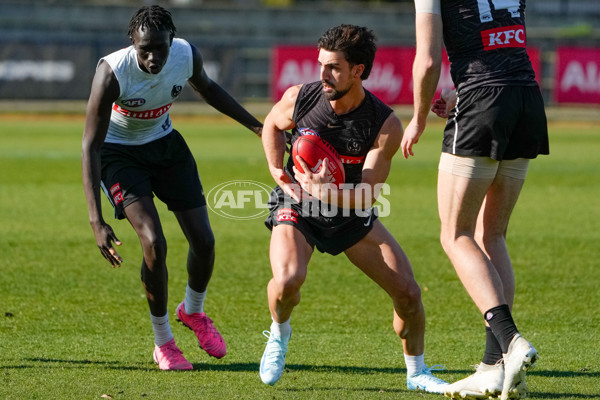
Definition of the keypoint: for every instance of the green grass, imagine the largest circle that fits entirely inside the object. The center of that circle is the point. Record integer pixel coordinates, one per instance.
(73, 328)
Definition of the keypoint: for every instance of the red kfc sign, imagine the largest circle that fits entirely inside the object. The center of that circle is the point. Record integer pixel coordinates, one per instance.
(577, 75)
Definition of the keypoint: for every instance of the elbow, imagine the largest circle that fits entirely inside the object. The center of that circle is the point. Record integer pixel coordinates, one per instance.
(430, 65)
(90, 148)
(87, 146)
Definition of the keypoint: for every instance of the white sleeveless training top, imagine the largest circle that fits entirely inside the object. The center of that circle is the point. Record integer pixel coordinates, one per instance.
(141, 113)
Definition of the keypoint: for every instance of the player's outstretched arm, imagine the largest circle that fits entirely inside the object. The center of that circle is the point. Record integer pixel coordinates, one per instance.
(219, 98)
(105, 90)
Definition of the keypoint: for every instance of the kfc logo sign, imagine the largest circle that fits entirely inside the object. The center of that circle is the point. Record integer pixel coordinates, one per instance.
(505, 36)
(117, 195)
(287, 214)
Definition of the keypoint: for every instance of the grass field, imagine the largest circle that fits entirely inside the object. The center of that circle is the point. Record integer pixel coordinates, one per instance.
(73, 328)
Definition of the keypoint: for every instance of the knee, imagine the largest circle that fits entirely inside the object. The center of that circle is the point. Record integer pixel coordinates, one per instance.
(451, 239)
(407, 300)
(203, 244)
(491, 239)
(154, 246)
(287, 285)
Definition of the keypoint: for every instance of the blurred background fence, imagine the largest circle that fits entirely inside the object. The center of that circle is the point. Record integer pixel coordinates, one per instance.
(49, 49)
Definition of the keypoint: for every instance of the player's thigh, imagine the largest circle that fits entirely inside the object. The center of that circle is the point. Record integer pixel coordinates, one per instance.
(382, 259)
(462, 186)
(499, 204)
(143, 217)
(289, 253)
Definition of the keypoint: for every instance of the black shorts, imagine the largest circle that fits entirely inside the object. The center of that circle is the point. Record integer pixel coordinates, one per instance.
(165, 167)
(331, 234)
(501, 122)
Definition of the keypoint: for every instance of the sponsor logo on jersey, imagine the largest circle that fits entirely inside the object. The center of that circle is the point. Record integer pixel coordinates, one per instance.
(353, 146)
(505, 36)
(146, 114)
(134, 102)
(307, 132)
(352, 160)
(176, 90)
(117, 195)
(287, 214)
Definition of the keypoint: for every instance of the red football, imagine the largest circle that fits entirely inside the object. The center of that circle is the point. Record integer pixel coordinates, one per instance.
(313, 150)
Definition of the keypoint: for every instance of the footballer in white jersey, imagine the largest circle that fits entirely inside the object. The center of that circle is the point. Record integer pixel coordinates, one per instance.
(130, 148)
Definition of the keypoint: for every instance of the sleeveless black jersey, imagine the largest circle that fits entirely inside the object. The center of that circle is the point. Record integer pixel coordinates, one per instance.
(485, 41)
(352, 134)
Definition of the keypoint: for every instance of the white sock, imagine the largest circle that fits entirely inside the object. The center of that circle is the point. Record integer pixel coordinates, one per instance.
(282, 330)
(194, 301)
(162, 329)
(414, 364)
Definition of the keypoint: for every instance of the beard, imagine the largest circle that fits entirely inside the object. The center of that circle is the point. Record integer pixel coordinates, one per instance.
(335, 94)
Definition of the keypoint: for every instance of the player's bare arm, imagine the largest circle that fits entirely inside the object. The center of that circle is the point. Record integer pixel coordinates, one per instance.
(218, 98)
(426, 73)
(375, 171)
(277, 122)
(105, 90)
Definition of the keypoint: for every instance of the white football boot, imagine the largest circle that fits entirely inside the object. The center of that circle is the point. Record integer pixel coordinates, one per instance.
(520, 357)
(485, 383)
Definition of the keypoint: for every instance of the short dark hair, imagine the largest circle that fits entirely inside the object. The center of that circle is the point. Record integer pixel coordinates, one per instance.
(356, 42)
(151, 17)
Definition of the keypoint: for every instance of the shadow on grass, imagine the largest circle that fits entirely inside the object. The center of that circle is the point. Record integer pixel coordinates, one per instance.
(345, 389)
(291, 368)
(74, 364)
(231, 367)
(247, 367)
(565, 374)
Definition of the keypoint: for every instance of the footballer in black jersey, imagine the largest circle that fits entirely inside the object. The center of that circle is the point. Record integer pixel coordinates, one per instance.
(496, 124)
(366, 134)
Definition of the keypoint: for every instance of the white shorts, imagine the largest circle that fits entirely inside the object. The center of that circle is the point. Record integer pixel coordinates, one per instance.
(483, 167)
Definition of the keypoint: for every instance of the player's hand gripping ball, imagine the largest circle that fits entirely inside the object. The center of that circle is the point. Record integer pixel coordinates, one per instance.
(314, 150)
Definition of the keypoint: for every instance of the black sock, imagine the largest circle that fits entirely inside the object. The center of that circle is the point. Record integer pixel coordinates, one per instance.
(493, 352)
(502, 324)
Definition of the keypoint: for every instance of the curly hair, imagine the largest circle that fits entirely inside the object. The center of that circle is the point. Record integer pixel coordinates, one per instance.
(356, 42)
(151, 17)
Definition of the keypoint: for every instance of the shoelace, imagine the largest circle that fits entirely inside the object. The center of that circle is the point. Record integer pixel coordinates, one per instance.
(171, 348)
(436, 367)
(273, 355)
(206, 323)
